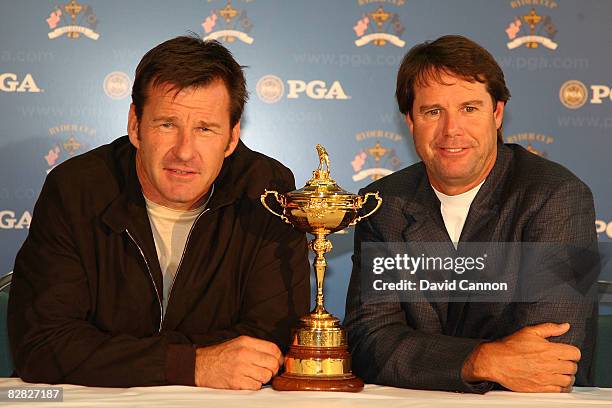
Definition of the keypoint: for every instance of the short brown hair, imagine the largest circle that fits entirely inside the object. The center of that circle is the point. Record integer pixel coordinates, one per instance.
(450, 54)
(188, 61)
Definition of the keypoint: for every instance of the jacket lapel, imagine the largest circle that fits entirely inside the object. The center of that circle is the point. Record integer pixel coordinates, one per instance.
(128, 214)
(197, 268)
(482, 215)
(424, 224)
(486, 204)
(424, 221)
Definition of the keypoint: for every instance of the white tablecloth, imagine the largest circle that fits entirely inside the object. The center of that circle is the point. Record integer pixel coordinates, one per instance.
(372, 396)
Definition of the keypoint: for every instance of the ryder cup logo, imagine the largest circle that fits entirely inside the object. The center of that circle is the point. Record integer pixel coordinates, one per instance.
(379, 27)
(69, 145)
(228, 24)
(534, 142)
(73, 19)
(530, 28)
(376, 159)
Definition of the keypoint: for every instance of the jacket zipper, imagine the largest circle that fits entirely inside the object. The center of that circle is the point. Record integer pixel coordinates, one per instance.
(182, 256)
(161, 310)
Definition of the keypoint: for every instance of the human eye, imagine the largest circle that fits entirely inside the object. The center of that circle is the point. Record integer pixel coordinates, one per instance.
(207, 129)
(167, 124)
(433, 113)
(470, 109)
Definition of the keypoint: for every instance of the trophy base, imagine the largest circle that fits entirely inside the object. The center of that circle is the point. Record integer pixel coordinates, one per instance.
(318, 358)
(288, 382)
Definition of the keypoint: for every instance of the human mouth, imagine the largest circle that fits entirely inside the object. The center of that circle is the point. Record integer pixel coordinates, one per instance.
(453, 152)
(181, 172)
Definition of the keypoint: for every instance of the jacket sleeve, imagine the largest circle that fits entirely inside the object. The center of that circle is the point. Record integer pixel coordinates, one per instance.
(51, 339)
(566, 224)
(387, 350)
(277, 290)
(277, 294)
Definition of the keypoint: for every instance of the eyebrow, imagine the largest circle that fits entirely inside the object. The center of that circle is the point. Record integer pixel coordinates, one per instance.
(164, 118)
(477, 102)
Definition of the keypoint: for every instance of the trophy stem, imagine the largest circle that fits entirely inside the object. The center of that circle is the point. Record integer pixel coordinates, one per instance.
(320, 245)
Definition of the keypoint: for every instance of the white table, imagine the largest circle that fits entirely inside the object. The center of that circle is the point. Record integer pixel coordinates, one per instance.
(372, 396)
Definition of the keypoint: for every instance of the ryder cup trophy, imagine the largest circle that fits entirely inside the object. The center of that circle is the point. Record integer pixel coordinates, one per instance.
(318, 358)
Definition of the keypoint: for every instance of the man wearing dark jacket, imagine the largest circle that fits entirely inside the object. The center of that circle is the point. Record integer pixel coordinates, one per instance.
(150, 260)
(472, 188)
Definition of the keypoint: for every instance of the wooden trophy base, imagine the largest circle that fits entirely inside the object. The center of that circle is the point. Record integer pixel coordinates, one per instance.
(318, 369)
(287, 382)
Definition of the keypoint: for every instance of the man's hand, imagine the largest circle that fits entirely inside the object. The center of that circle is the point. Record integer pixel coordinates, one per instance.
(244, 363)
(525, 361)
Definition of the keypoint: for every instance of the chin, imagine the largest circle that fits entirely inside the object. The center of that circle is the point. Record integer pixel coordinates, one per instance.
(182, 199)
(173, 197)
(455, 173)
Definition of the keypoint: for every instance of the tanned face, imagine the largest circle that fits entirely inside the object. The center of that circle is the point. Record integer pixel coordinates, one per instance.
(181, 141)
(454, 126)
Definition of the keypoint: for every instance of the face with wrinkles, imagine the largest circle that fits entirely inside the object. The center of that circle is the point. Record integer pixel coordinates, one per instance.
(181, 140)
(454, 126)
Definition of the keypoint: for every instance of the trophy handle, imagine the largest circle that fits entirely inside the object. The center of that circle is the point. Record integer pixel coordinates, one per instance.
(278, 200)
(365, 198)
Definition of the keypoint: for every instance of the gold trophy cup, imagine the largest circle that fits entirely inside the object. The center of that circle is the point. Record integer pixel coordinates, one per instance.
(318, 358)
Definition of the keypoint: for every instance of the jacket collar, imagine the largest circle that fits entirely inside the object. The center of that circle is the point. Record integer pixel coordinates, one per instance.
(424, 204)
(424, 208)
(128, 213)
(128, 209)
(487, 202)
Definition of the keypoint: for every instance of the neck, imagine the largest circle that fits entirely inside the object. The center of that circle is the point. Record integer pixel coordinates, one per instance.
(452, 189)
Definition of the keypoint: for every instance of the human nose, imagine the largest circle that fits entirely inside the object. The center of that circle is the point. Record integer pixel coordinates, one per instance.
(183, 149)
(452, 124)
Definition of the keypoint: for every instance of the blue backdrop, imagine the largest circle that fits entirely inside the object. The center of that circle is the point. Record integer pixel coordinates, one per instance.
(319, 71)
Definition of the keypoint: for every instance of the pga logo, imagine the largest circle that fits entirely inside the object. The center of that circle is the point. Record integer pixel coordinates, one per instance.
(10, 220)
(271, 89)
(602, 227)
(574, 94)
(10, 82)
(600, 92)
(316, 89)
